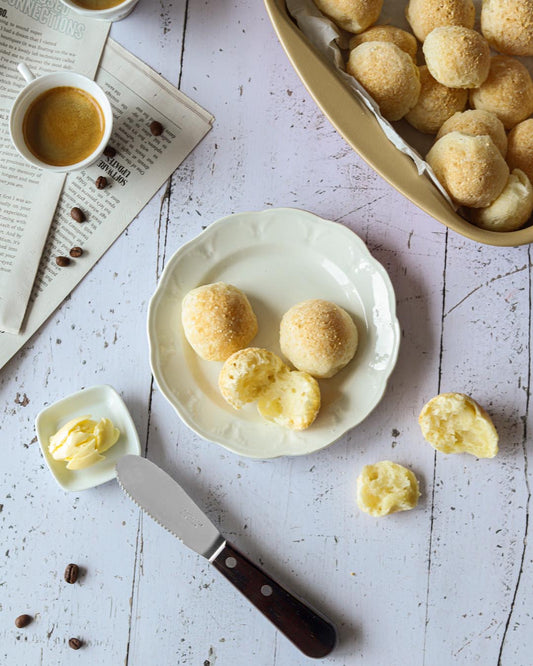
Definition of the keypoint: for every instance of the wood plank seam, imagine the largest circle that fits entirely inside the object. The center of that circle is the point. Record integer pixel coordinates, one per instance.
(163, 223)
(432, 515)
(526, 468)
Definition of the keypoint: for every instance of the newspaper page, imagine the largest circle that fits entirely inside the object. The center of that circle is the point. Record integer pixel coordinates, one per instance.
(48, 37)
(136, 171)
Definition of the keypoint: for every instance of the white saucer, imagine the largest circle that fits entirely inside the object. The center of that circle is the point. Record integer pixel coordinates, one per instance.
(278, 257)
(97, 402)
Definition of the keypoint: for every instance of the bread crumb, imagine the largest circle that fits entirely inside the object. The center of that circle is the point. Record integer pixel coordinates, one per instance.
(386, 487)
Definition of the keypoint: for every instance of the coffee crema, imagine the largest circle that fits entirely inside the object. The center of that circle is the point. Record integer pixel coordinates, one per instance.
(63, 126)
(97, 4)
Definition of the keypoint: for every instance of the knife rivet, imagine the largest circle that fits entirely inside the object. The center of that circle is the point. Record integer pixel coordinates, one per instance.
(266, 590)
(231, 562)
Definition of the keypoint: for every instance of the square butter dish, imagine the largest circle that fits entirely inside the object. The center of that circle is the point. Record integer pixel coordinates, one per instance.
(97, 402)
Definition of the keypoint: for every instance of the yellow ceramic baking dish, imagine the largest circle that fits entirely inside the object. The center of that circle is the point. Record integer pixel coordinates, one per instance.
(360, 129)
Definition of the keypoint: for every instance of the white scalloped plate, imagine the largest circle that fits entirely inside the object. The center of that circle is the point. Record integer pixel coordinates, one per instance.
(278, 257)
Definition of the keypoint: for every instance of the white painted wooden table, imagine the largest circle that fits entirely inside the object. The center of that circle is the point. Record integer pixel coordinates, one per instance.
(448, 583)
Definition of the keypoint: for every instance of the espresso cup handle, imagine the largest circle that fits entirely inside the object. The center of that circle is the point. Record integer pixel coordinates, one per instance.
(26, 72)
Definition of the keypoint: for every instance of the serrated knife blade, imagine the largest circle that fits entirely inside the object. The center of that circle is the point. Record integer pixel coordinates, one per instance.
(168, 504)
(164, 500)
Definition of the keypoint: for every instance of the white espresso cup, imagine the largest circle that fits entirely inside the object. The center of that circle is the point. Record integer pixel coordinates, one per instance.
(115, 13)
(37, 86)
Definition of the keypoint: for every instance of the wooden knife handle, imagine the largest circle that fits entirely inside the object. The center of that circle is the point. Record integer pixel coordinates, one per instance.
(309, 631)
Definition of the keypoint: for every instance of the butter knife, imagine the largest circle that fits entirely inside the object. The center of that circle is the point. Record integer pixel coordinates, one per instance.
(168, 504)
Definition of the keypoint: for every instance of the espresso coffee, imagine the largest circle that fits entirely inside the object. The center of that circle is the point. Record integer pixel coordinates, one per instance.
(97, 4)
(63, 126)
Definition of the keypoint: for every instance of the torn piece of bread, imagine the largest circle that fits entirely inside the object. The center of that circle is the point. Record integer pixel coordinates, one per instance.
(455, 423)
(292, 401)
(217, 320)
(318, 337)
(287, 397)
(386, 487)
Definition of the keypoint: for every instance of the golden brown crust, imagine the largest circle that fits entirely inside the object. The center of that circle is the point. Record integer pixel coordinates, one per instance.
(457, 57)
(520, 151)
(507, 91)
(436, 103)
(508, 26)
(388, 74)
(426, 15)
(477, 122)
(318, 337)
(351, 15)
(217, 320)
(470, 168)
(387, 33)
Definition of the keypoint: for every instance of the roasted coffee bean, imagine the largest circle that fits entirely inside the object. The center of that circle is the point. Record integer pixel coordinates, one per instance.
(76, 252)
(23, 621)
(101, 182)
(72, 571)
(75, 643)
(77, 214)
(109, 151)
(62, 261)
(156, 128)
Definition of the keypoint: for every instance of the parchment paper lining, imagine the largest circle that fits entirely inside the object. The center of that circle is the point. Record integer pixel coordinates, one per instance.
(328, 39)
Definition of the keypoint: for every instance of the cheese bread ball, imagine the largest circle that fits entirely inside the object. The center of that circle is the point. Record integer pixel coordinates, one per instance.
(520, 151)
(287, 397)
(387, 33)
(457, 57)
(436, 103)
(508, 26)
(386, 487)
(426, 15)
(455, 423)
(470, 168)
(388, 74)
(511, 210)
(477, 123)
(217, 320)
(506, 92)
(318, 337)
(352, 15)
